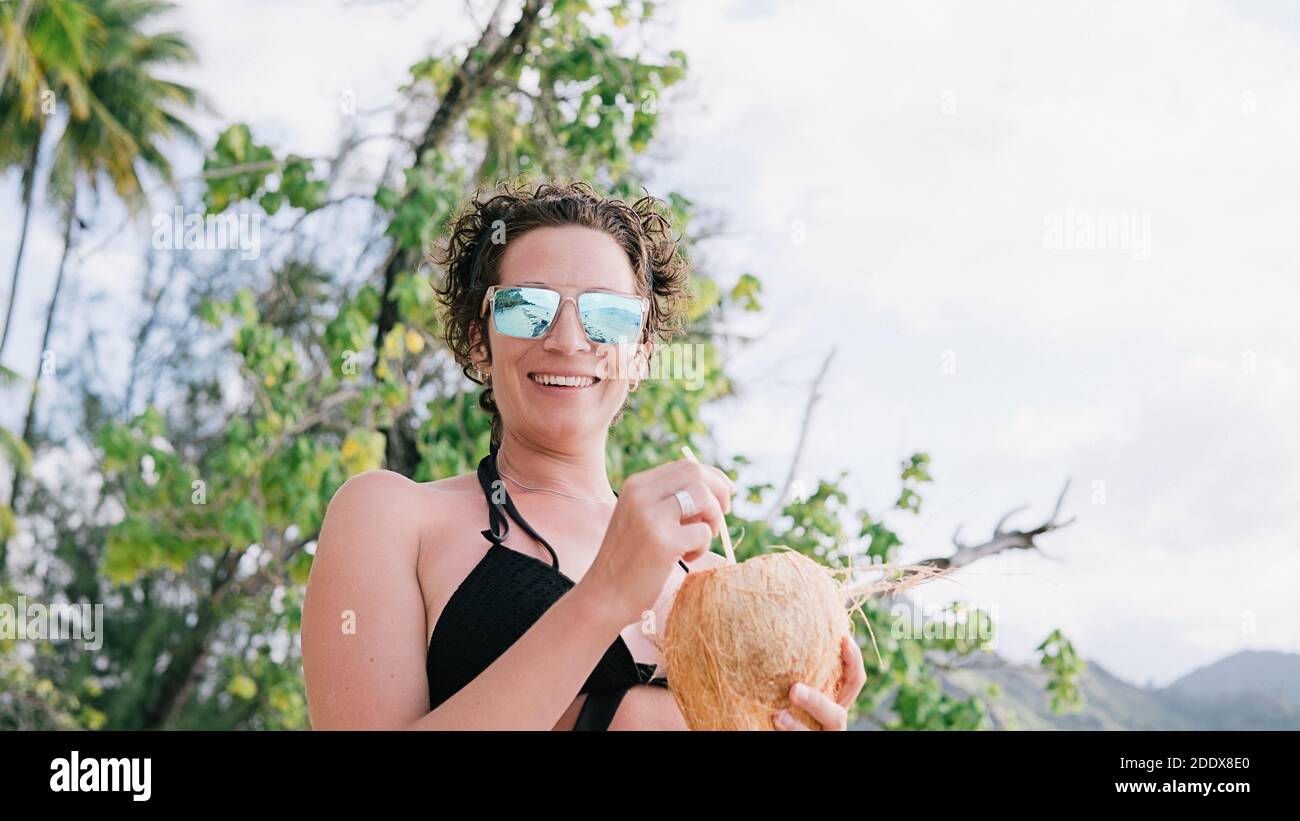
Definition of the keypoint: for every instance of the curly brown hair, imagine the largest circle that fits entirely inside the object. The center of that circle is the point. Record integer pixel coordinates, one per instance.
(471, 258)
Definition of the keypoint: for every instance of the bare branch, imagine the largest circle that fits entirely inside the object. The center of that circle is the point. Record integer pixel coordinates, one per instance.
(997, 528)
(1003, 539)
(779, 502)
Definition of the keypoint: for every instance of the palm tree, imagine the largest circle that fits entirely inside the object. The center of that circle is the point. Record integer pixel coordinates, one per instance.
(13, 24)
(132, 109)
(129, 112)
(47, 44)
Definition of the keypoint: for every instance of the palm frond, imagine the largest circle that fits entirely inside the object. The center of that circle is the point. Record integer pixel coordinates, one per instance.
(10, 378)
(15, 450)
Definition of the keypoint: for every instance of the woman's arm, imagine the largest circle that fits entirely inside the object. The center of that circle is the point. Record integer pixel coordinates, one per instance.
(363, 630)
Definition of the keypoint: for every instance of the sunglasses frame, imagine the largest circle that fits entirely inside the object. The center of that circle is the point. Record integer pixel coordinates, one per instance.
(491, 292)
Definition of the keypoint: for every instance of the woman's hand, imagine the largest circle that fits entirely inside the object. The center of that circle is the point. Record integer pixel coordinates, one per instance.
(647, 534)
(832, 715)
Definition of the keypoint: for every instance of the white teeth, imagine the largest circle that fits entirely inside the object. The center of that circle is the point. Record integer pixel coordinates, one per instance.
(566, 381)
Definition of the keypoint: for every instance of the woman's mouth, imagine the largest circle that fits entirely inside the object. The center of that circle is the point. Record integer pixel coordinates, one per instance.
(562, 383)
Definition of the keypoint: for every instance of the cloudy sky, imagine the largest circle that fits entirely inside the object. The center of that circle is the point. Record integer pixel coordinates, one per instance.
(1046, 241)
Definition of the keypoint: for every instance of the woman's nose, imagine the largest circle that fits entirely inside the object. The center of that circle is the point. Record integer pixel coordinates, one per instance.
(567, 334)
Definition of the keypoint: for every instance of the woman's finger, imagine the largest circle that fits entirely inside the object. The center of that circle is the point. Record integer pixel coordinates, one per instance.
(694, 540)
(707, 510)
(671, 476)
(855, 672)
(817, 704)
(784, 721)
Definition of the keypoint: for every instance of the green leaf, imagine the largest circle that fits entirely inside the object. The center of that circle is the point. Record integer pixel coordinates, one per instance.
(745, 292)
(362, 450)
(15, 451)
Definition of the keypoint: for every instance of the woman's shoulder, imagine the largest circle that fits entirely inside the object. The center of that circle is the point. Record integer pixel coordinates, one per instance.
(385, 490)
(373, 493)
(385, 510)
(390, 500)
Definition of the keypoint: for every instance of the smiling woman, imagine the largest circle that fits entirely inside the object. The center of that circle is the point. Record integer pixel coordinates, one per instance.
(551, 295)
(635, 255)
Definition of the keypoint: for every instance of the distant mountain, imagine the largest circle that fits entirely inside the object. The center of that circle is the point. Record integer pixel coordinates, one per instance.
(1249, 690)
(1110, 703)
(1264, 672)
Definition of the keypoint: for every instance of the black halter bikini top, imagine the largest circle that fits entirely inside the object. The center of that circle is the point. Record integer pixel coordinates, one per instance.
(503, 596)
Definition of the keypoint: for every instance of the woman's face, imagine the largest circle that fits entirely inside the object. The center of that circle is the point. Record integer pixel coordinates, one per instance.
(570, 260)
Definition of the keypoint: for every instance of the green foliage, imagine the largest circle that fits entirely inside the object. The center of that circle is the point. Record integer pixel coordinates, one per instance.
(239, 169)
(275, 466)
(433, 191)
(100, 66)
(52, 52)
(1063, 663)
(14, 453)
(111, 76)
(29, 698)
(746, 291)
(915, 473)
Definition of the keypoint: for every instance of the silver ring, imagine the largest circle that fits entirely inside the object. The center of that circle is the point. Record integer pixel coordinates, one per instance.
(686, 502)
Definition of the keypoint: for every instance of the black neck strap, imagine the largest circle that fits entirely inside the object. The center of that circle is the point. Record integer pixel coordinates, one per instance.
(501, 509)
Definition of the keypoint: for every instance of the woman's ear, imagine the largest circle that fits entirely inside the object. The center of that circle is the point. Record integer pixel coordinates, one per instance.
(478, 352)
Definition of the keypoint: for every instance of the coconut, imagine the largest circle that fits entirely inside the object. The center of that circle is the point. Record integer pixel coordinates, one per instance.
(739, 635)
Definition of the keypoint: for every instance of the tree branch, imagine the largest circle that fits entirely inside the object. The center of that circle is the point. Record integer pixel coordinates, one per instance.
(1002, 539)
(779, 502)
(475, 74)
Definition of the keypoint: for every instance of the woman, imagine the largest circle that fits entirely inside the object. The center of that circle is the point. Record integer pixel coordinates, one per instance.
(418, 617)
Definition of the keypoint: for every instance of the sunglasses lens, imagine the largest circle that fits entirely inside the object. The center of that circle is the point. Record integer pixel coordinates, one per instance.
(609, 317)
(524, 312)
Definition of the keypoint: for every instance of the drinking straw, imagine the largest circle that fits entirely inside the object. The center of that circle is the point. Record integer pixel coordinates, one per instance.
(726, 536)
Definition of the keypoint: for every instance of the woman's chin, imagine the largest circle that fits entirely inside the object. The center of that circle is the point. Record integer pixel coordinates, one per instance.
(571, 428)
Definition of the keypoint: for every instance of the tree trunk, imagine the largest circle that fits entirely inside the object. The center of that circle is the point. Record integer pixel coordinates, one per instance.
(29, 182)
(29, 423)
(476, 72)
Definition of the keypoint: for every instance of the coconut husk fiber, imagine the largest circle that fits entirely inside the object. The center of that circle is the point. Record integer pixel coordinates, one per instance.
(739, 635)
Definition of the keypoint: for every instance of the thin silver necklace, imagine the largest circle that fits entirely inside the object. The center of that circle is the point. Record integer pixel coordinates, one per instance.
(548, 490)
